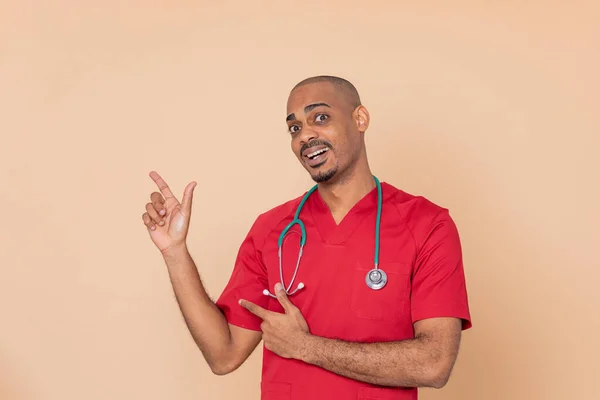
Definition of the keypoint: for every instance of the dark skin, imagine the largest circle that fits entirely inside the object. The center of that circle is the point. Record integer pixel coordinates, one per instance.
(317, 113)
(425, 361)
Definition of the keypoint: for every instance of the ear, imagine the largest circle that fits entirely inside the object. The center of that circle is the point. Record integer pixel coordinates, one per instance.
(362, 118)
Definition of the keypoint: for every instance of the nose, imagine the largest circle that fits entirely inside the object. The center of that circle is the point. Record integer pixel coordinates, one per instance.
(306, 135)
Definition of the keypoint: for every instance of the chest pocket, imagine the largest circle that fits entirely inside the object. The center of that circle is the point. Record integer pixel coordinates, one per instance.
(389, 303)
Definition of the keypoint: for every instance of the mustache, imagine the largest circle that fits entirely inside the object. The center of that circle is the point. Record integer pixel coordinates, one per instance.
(314, 143)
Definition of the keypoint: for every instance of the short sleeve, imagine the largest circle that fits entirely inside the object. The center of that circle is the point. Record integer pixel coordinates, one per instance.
(438, 284)
(248, 280)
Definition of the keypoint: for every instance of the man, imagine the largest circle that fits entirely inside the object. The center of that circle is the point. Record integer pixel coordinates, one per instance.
(336, 336)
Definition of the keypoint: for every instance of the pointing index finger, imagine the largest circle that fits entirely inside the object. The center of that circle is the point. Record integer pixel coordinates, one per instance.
(162, 185)
(254, 308)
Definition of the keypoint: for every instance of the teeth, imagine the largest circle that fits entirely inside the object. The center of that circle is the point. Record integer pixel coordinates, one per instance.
(316, 153)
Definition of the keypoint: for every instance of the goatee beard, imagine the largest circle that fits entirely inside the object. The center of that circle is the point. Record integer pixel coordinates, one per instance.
(321, 177)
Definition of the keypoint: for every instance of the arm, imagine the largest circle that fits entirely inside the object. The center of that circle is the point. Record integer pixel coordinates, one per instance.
(425, 361)
(224, 346)
(439, 308)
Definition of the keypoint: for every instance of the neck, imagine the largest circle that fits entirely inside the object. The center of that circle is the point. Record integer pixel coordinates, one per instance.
(342, 194)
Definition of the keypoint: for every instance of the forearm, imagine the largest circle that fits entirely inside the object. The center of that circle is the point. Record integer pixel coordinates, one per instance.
(408, 363)
(207, 325)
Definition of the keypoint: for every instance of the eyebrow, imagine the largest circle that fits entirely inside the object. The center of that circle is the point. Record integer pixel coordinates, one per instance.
(308, 109)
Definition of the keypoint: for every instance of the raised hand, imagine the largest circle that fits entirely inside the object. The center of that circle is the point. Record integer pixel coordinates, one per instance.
(167, 219)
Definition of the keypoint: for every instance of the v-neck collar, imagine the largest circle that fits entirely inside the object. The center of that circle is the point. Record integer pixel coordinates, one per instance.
(336, 234)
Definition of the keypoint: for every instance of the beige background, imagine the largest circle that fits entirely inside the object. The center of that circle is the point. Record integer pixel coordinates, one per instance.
(490, 110)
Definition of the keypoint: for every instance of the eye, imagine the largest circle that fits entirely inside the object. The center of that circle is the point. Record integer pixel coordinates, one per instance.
(321, 117)
(294, 128)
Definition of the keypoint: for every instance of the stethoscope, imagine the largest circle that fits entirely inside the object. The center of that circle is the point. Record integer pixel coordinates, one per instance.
(375, 278)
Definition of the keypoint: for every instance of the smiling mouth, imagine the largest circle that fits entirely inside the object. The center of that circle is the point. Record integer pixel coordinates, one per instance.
(317, 157)
(317, 153)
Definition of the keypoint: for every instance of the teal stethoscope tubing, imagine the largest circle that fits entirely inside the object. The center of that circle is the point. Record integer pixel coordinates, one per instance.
(372, 277)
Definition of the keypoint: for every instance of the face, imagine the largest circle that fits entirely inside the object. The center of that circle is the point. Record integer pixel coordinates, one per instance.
(326, 131)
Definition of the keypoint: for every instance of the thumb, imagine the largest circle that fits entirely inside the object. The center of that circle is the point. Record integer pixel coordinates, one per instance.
(283, 298)
(188, 194)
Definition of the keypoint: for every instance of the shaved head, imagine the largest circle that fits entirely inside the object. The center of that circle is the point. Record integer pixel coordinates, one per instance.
(341, 85)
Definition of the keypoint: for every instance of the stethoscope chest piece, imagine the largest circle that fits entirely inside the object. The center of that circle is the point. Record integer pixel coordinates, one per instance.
(376, 279)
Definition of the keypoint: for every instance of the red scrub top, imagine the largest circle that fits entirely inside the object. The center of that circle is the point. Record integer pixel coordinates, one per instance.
(419, 250)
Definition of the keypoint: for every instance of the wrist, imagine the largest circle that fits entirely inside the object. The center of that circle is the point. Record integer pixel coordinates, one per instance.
(175, 252)
(309, 348)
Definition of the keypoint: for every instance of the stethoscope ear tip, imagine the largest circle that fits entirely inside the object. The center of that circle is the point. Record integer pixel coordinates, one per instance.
(300, 285)
(266, 292)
